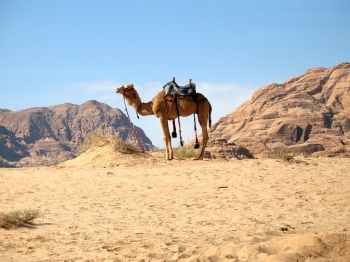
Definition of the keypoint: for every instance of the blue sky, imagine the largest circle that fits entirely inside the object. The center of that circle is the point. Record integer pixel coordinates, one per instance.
(63, 51)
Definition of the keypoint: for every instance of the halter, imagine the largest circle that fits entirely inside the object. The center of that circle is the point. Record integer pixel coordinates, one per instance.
(131, 124)
(127, 90)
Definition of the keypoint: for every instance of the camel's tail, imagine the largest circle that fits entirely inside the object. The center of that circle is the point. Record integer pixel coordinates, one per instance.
(210, 109)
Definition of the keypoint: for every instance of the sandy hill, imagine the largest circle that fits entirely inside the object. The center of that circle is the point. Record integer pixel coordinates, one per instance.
(106, 156)
(50, 135)
(306, 115)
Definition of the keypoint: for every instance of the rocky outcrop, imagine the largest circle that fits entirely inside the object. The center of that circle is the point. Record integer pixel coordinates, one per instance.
(12, 149)
(307, 115)
(49, 135)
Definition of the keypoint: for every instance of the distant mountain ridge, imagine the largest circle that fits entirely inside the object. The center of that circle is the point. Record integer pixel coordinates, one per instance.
(306, 115)
(49, 135)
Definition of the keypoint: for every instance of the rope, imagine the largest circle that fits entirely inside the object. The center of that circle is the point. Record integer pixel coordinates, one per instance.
(178, 119)
(180, 131)
(133, 128)
(195, 132)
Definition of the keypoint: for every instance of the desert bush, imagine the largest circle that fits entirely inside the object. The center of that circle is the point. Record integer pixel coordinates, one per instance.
(185, 152)
(93, 139)
(99, 139)
(125, 147)
(21, 218)
(179, 152)
(289, 158)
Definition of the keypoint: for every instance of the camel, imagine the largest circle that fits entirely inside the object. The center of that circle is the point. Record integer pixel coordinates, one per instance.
(164, 108)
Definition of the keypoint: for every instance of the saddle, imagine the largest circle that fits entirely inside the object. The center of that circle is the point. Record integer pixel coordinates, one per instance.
(172, 88)
(175, 92)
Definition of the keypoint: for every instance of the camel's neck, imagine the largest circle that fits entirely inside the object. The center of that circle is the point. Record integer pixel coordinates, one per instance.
(144, 109)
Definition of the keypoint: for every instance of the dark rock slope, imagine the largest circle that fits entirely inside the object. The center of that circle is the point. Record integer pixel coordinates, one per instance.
(49, 135)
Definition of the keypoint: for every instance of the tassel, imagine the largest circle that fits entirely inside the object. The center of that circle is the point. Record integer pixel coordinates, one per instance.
(174, 134)
(196, 146)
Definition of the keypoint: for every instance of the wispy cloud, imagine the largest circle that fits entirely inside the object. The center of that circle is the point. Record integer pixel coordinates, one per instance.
(224, 98)
(102, 91)
(96, 86)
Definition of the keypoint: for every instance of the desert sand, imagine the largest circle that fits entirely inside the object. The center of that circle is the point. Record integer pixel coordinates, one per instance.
(107, 207)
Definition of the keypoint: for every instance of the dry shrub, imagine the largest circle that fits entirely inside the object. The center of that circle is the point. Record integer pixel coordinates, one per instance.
(288, 158)
(125, 147)
(99, 139)
(180, 152)
(21, 218)
(185, 152)
(93, 139)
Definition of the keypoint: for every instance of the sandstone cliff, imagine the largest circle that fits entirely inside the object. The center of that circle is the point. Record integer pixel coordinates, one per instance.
(306, 115)
(49, 135)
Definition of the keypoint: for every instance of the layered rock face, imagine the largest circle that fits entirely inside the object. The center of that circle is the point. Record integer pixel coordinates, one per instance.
(307, 115)
(50, 135)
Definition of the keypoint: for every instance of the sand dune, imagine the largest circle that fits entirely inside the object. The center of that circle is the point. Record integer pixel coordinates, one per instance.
(108, 207)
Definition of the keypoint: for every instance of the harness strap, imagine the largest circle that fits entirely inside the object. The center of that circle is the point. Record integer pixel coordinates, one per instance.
(174, 134)
(178, 119)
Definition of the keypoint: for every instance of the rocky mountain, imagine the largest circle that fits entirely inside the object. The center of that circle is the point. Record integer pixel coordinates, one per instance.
(306, 115)
(49, 135)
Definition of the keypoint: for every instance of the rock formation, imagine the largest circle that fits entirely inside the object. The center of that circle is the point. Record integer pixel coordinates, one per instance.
(49, 135)
(307, 115)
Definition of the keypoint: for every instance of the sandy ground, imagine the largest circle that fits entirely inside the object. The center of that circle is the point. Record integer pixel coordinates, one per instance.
(103, 207)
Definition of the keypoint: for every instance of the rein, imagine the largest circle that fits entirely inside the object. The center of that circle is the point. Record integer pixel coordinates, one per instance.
(132, 127)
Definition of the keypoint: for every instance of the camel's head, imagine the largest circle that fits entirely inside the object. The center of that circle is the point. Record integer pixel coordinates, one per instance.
(124, 89)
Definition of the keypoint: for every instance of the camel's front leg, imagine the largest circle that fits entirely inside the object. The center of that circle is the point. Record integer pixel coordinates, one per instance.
(167, 139)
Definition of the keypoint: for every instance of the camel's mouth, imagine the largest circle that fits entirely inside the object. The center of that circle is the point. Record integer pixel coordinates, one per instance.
(120, 90)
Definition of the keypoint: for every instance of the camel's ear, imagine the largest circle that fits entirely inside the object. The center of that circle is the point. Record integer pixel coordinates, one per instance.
(127, 86)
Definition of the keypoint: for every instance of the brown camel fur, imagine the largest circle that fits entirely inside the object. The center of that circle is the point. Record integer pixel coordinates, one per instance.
(165, 109)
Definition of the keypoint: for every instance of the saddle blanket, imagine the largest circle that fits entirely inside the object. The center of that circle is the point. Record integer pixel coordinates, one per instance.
(172, 88)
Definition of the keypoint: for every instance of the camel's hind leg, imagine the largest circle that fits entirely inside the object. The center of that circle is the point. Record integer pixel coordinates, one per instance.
(167, 139)
(203, 122)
